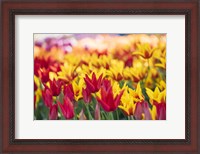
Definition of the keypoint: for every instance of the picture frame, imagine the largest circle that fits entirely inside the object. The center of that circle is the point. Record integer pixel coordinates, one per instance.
(190, 9)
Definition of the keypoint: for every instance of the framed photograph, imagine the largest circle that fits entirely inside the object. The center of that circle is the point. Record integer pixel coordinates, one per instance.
(118, 76)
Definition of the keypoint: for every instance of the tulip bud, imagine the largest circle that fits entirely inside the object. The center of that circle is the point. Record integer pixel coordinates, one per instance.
(82, 115)
(86, 95)
(47, 97)
(97, 115)
(53, 112)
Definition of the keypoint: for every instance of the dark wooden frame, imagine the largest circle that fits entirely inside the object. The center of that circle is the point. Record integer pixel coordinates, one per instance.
(9, 9)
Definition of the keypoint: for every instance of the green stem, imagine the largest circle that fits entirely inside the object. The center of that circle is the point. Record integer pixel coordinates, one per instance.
(88, 111)
(111, 116)
(117, 114)
(131, 117)
(75, 117)
(105, 115)
(148, 69)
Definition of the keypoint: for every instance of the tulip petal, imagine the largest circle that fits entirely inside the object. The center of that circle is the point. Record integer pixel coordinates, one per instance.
(138, 111)
(146, 111)
(86, 95)
(82, 115)
(53, 112)
(104, 105)
(90, 86)
(117, 98)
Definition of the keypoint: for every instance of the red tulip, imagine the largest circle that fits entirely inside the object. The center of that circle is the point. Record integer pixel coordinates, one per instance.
(55, 87)
(108, 101)
(146, 111)
(67, 108)
(161, 110)
(69, 92)
(47, 97)
(138, 110)
(142, 109)
(106, 84)
(86, 95)
(44, 75)
(93, 84)
(53, 112)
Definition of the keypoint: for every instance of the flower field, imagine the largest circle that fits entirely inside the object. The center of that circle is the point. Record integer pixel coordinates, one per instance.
(100, 77)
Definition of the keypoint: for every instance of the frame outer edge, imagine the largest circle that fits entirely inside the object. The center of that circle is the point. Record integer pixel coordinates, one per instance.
(198, 90)
(1, 78)
(2, 68)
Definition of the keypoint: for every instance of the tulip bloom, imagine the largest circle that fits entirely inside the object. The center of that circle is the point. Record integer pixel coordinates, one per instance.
(127, 104)
(55, 87)
(161, 111)
(47, 97)
(53, 112)
(93, 84)
(78, 85)
(44, 75)
(156, 96)
(158, 99)
(142, 111)
(67, 108)
(108, 102)
(162, 63)
(68, 72)
(144, 50)
(116, 70)
(86, 95)
(69, 92)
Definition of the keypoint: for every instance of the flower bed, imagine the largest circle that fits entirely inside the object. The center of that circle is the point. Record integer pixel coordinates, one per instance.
(100, 77)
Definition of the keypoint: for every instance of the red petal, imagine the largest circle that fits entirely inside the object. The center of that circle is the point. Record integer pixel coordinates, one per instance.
(90, 86)
(69, 92)
(53, 113)
(62, 109)
(103, 94)
(104, 105)
(94, 79)
(86, 95)
(99, 81)
(117, 98)
(68, 105)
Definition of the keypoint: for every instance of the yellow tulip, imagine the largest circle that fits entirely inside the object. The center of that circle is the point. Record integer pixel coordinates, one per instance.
(127, 102)
(116, 70)
(144, 50)
(78, 84)
(156, 95)
(68, 72)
